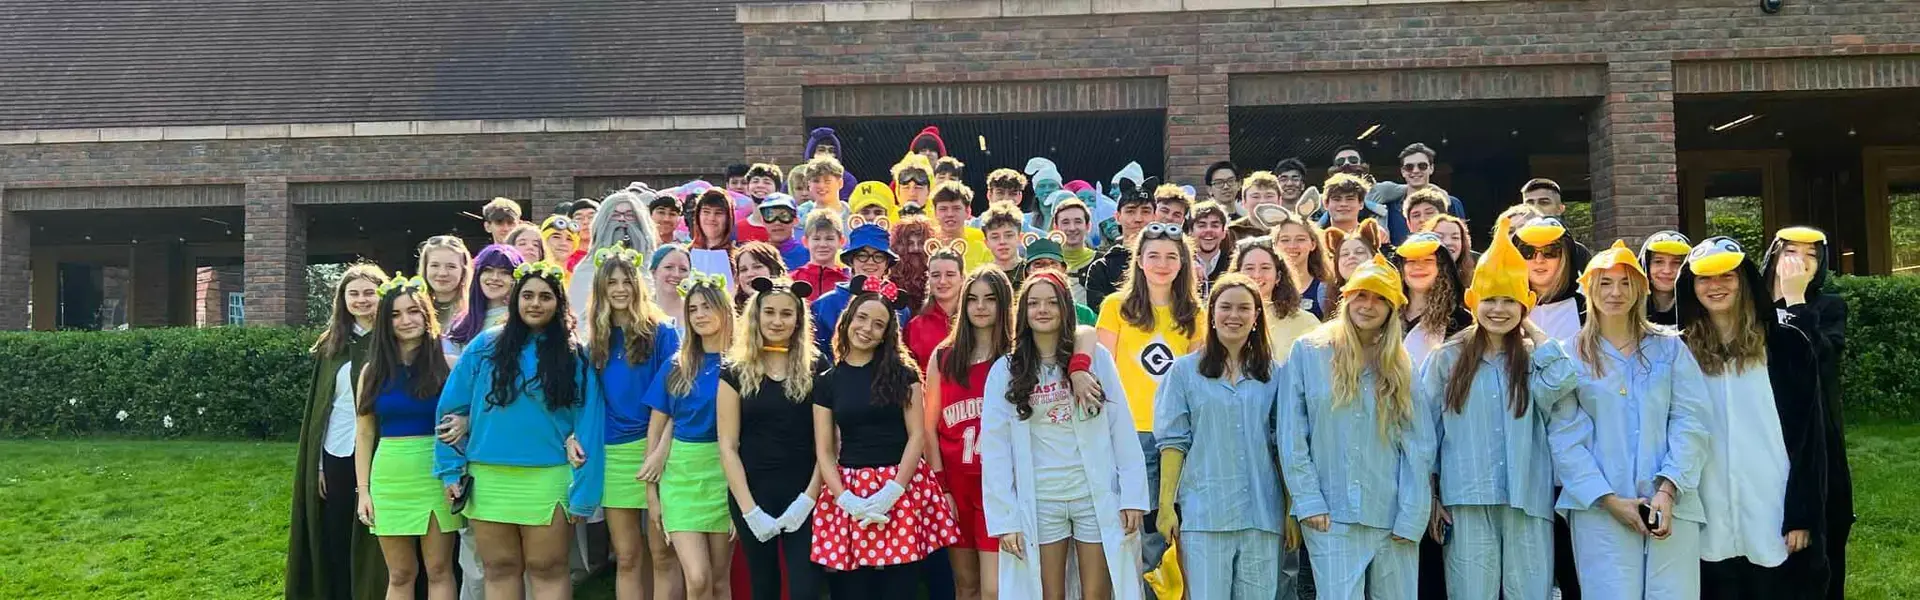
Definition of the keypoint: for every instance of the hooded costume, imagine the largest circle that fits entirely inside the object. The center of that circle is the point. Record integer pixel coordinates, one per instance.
(1671, 243)
(1635, 424)
(1561, 314)
(311, 565)
(1829, 334)
(638, 235)
(931, 132)
(1766, 475)
(1046, 182)
(825, 135)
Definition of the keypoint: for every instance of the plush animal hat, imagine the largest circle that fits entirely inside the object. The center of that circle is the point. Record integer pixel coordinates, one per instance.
(1500, 272)
(1378, 277)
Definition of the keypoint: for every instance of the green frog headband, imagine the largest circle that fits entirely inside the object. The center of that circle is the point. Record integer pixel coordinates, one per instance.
(697, 279)
(401, 285)
(616, 253)
(540, 269)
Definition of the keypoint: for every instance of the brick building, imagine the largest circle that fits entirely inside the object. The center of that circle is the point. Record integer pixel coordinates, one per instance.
(273, 134)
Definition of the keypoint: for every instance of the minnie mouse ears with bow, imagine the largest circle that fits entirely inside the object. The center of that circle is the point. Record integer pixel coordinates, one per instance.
(763, 285)
(861, 284)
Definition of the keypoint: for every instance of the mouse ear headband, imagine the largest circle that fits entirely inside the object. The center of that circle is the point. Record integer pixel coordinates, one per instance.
(763, 285)
(1029, 238)
(888, 292)
(856, 221)
(956, 247)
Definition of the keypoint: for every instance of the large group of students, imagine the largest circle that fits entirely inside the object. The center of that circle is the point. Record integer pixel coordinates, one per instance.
(874, 392)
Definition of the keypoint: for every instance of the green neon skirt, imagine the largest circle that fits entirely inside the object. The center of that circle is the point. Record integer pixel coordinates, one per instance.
(517, 495)
(693, 490)
(623, 487)
(406, 496)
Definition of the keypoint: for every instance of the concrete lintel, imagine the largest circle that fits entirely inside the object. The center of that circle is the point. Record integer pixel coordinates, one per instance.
(370, 129)
(781, 13)
(839, 12)
(956, 9)
(1045, 8)
(1109, 7)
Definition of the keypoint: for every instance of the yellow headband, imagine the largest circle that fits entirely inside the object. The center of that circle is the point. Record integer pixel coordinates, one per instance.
(1615, 256)
(1500, 272)
(1804, 235)
(1378, 277)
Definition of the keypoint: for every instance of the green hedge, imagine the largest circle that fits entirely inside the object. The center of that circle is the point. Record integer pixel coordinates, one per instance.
(252, 382)
(246, 382)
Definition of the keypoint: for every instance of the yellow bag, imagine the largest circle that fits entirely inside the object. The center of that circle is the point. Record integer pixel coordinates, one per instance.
(1166, 580)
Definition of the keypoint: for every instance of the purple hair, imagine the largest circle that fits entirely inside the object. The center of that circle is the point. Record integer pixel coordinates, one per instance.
(474, 318)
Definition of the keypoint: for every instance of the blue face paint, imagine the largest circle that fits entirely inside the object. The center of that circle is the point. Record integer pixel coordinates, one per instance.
(1044, 188)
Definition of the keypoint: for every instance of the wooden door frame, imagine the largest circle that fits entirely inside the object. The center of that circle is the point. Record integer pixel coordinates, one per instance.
(1874, 163)
(1773, 167)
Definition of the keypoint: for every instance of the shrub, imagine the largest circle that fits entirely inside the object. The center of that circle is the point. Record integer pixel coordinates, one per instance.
(1883, 347)
(249, 382)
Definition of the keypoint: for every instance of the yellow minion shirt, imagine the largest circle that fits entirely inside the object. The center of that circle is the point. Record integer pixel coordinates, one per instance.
(977, 252)
(1143, 357)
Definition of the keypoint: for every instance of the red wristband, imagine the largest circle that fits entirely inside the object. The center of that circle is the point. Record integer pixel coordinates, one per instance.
(1080, 363)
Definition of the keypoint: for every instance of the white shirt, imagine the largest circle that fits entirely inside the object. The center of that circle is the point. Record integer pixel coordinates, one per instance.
(1420, 343)
(1561, 320)
(1059, 475)
(342, 419)
(1744, 486)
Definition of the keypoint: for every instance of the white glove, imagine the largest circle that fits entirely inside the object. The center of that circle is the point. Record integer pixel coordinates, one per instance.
(883, 500)
(796, 514)
(861, 509)
(763, 526)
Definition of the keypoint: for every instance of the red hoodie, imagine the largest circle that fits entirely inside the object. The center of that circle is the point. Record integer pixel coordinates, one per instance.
(821, 278)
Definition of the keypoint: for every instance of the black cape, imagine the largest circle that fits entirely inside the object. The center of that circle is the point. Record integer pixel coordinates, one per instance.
(307, 576)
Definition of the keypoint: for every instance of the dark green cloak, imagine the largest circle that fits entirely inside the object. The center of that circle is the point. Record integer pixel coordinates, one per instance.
(307, 576)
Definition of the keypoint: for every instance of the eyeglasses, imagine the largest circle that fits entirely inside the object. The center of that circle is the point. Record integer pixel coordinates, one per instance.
(444, 241)
(1528, 251)
(1155, 231)
(778, 215)
(869, 257)
(1227, 181)
(1341, 161)
(1416, 167)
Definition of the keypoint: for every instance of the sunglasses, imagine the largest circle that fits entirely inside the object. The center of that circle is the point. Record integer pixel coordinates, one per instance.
(1528, 251)
(915, 179)
(1416, 167)
(1346, 160)
(778, 215)
(1155, 231)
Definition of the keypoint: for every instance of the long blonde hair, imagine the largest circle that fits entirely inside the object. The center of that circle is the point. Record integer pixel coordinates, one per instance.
(749, 357)
(1393, 370)
(644, 316)
(1590, 344)
(687, 363)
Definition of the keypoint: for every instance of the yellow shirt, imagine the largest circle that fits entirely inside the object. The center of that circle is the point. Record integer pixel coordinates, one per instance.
(1283, 332)
(1143, 357)
(977, 252)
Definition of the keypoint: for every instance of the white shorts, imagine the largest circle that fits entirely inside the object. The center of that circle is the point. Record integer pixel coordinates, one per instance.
(1073, 518)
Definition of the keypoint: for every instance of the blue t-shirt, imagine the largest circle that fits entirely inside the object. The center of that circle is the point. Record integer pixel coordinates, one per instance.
(400, 414)
(794, 252)
(693, 413)
(626, 384)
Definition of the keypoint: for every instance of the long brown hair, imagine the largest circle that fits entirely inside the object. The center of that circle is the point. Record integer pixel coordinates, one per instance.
(693, 349)
(1256, 357)
(333, 340)
(643, 316)
(1444, 297)
(956, 352)
(425, 371)
(1716, 357)
(1465, 262)
(1285, 297)
(894, 372)
(1475, 342)
(1136, 306)
(760, 252)
(1319, 264)
(908, 239)
(1024, 364)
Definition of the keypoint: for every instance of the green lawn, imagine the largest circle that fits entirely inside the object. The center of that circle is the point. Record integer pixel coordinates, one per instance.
(143, 519)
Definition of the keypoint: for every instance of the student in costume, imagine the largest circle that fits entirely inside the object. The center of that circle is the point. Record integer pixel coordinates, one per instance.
(1632, 441)
(623, 220)
(400, 501)
(1216, 455)
(883, 511)
(946, 284)
(825, 236)
(871, 256)
(1133, 213)
(952, 207)
(1487, 393)
(1554, 260)
(1455, 237)
(1287, 317)
(534, 457)
(1060, 475)
(1349, 249)
(765, 427)
(1356, 444)
(1155, 317)
(912, 181)
(1763, 489)
(1043, 254)
(713, 234)
(908, 238)
(1435, 310)
(670, 266)
(1074, 221)
(690, 492)
(1664, 254)
(446, 265)
(560, 237)
(828, 185)
(824, 144)
(525, 239)
(753, 260)
(487, 297)
(1808, 246)
(781, 218)
(956, 375)
(1001, 224)
(331, 555)
(1306, 260)
(630, 347)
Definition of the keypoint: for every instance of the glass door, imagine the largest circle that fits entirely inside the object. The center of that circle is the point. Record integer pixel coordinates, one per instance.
(1892, 178)
(1739, 194)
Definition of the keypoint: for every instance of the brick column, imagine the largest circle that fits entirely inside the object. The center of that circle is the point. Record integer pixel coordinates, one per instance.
(1630, 139)
(1196, 126)
(276, 255)
(150, 288)
(548, 191)
(16, 269)
(776, 122)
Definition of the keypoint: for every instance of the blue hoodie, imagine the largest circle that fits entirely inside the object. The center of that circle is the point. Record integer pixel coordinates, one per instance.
(826, 134)
(524, 433)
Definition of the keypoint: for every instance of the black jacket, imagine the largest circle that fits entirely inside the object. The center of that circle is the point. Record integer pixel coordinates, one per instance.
(1828, 332)
(1105, 274)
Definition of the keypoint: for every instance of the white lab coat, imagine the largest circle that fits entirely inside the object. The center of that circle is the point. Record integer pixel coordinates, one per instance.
(1114, 466)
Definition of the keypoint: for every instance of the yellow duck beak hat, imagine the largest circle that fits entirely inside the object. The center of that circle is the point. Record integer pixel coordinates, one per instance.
(1419, 245)
(1804, 235)
(1500, 272)
(1617, 255)
(1715, 256)
(1542, 231)
(874, 193)
(1672, 243)
(1378, 277)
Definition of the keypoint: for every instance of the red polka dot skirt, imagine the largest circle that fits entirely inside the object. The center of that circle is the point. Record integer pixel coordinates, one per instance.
(919, 523)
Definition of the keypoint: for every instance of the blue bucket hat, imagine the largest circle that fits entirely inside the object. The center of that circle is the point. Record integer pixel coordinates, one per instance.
(868, 237)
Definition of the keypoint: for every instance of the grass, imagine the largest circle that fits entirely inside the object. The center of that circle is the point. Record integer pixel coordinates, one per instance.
(176, 519)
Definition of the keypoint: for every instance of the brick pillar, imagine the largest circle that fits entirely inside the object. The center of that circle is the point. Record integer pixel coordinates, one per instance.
(16, 270)
(150, 288)
(548, 191)
(1630, 139)
(276, 255)
(776, 123)
(1196, 126)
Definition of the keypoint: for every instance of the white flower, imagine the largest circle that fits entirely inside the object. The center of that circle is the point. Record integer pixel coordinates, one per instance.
(202, 410)
(166, 421)
(199, 395)
(73, 402)
(122, 415)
